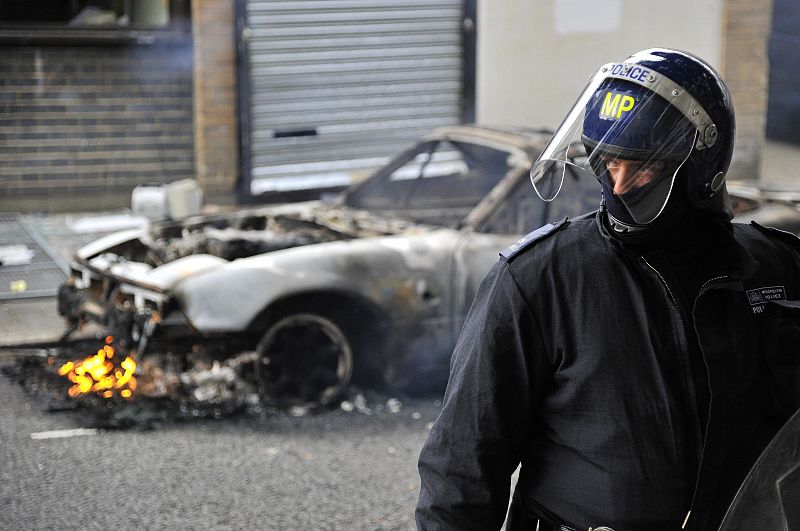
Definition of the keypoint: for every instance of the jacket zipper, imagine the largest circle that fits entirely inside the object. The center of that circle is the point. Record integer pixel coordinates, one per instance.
(671, 296)
(710, 402)
(704, 433)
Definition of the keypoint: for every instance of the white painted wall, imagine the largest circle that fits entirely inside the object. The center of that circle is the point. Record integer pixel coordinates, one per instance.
(535, 56)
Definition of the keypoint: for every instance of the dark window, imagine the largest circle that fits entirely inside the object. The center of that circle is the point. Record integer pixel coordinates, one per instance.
(90, 13)
(46, 21)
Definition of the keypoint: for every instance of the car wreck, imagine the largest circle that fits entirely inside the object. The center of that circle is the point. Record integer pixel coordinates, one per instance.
(371, 287)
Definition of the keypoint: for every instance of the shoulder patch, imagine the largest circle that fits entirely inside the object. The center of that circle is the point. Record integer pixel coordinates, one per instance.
(784, 236)
(523, 243)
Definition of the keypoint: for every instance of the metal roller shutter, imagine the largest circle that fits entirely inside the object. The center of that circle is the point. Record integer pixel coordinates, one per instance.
(93, 120)
(336, 86)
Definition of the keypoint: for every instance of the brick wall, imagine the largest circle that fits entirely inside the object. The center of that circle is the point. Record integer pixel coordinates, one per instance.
(746, 70)
(215, 97)
(82, 125)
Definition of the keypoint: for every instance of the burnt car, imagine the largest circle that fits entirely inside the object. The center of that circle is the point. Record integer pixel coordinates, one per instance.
(372, 286)
(766, 206)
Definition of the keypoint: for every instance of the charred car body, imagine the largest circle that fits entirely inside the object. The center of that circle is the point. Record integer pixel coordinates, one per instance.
(373, 286)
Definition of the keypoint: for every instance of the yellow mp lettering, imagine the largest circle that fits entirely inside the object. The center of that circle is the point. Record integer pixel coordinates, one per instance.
(625, 106)
(613, 107)
(609, 107)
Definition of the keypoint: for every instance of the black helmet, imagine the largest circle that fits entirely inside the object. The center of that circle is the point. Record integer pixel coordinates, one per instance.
(665, 113)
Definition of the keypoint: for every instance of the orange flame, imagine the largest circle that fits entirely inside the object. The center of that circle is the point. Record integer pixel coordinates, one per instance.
(99, 374)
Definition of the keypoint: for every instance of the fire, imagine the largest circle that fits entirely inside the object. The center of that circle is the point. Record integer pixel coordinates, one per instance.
(101, 374)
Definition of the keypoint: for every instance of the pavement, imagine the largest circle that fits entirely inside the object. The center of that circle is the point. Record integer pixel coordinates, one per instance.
(334, 470)
(36, 319)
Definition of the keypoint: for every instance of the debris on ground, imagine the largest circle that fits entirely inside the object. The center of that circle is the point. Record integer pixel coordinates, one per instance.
(360, 403)
(393, 405)
(16, 255)
(172, 390)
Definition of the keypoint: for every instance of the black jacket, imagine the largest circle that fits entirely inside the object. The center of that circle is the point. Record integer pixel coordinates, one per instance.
(574, 361)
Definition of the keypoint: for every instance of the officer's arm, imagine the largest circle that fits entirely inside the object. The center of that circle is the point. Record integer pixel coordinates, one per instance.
(477, 441)
(781, 329)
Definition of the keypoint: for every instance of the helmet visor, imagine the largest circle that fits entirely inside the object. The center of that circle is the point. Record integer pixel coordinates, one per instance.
(626, 135)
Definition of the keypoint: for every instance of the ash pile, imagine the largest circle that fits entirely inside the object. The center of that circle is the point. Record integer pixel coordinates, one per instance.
(111, 390)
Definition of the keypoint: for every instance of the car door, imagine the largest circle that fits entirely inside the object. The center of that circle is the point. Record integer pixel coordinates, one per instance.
(518, 212)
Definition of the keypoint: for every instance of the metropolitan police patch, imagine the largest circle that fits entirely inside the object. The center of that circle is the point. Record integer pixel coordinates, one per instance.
(760, 296)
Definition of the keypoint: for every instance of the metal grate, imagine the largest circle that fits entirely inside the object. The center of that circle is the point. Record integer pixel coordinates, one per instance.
(41, 276)
(337, 86)
(93, 119)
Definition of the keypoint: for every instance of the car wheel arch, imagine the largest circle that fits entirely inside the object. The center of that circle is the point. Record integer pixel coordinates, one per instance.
(364, 324)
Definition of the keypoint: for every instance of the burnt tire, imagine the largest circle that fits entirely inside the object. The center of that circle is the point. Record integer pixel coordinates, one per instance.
(303, 360)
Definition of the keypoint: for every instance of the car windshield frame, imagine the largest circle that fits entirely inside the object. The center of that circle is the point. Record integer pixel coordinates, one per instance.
(354, 197)
(511, 195)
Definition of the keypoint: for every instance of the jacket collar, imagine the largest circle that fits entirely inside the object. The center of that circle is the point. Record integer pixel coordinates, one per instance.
(732, 258)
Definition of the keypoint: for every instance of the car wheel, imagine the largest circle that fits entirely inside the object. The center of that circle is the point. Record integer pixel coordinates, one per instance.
(303, 360)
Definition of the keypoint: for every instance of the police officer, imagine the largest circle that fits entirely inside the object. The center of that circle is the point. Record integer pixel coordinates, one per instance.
(631, 360)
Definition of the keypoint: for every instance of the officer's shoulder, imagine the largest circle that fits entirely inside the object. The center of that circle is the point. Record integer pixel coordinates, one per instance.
(772, 233)
(529, 240)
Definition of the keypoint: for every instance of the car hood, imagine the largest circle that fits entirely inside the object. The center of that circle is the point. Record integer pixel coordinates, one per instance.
(405, 275)
(161, 255)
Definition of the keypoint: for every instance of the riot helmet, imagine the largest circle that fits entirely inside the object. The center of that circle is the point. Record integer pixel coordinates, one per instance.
(639, 125)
